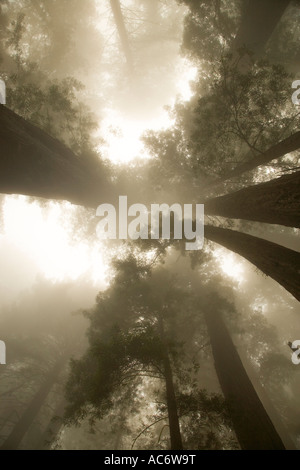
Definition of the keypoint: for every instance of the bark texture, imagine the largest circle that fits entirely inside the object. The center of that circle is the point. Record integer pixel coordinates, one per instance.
(276, 261)
(252, 425)
(274, 202)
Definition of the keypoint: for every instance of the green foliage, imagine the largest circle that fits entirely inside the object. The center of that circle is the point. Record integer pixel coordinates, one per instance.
(206, 421)
(142, 318)
(52, 103)
(47, 32)
(242, 115)
(209, 28)
(55, 108)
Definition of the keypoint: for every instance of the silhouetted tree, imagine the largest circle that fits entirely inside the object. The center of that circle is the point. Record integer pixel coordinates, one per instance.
(276, 261)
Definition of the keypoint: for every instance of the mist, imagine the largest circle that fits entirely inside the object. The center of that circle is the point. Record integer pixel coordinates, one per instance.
(140, 344)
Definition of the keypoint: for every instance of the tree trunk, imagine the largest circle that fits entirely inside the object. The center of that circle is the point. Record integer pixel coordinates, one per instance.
(259, 19)
(35, 164)
(175, 435)
(274, 202)
(14, 439)
(290, 144)
(119, 20)
(176, 441)
(54, 426)
(276, 261)
(252, 425)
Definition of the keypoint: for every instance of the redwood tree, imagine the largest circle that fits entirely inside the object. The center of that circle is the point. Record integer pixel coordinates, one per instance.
(13, 441)
(253, 427)
(276, 261)
(274, 202)
(35, 164)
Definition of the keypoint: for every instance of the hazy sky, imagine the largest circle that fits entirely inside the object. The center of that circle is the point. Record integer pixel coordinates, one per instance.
(37, 242)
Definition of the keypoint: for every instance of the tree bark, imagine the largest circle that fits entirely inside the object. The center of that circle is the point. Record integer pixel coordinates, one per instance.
(175, 435)
(274, 202)
(252, 425)
(276, 261)
(290, 144)
(35, 164)
(14, 439)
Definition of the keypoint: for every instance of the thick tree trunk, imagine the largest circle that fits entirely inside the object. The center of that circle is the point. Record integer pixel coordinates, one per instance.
(252, 425)
(35, 164)
(259, 19)
(290, 144)
(119, 20)
(14, 439)
(175, 435)
(278, 262)
(274, 202)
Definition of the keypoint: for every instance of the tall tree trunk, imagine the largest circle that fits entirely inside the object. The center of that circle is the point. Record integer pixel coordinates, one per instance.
(53, 428)
(175, 435)
(274, 202)
(290, 144)
(276, 261)
(253, 427)
(14, 439)
(35, 164)
(119, 20)
(259, 19)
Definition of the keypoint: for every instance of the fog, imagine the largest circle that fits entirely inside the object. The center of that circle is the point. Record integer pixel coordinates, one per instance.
(117, 344)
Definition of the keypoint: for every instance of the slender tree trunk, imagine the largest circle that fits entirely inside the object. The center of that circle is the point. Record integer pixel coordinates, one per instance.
(119, 20)
(290, 144)
(274, 202)
(276, 261)
(175, 435)
(35, 164)
(253, 427)
(14, 439)
(176, 441)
